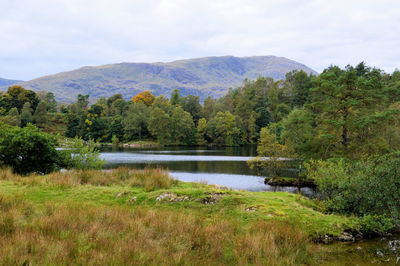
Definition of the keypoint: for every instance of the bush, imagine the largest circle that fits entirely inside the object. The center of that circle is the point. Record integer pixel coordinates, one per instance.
(28, 150)
(83, 155)
(367, 188)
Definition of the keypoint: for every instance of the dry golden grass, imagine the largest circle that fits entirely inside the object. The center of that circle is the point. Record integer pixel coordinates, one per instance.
(85, 234)
(148, 179)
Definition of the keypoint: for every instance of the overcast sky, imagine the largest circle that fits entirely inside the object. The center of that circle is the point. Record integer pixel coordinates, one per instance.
(40, 37)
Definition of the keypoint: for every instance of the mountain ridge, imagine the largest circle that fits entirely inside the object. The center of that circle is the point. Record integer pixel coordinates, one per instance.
(205, 76)
(8, 82)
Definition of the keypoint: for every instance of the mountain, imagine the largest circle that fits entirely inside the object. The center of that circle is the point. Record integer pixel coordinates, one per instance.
(8, 82)
(201, 76)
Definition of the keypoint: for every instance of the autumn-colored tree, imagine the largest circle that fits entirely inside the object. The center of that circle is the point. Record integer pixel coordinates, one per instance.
(145, 97)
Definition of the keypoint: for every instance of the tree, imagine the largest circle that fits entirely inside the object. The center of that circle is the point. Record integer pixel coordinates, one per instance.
(223, 129)
(159, 123)
(117, 129)
(297, 130)
(83, 101)
(14, 118)
(271, 154)
(208, 108)
(96, 125)
(51, 102)
(49, 99)
(26, 114)
(72, 126)
(162, 103)
(136, 121)
(301, 85)
(27, 150)
(201, 132)
(175, 97)
(181, 128)
(40, 115)
(346, 105)
(191, 104)
(16, 96)
(145, 97)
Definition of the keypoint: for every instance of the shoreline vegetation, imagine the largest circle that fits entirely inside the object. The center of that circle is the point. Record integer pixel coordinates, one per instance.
(125, 215)
(342, 129)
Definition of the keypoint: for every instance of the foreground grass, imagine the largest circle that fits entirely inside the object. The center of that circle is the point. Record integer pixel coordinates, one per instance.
(118, 217)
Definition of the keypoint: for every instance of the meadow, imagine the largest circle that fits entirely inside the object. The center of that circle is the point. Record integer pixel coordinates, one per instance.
(145, 217)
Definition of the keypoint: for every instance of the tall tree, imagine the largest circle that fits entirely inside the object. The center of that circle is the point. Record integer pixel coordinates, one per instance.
(136, 121)
(346, 103)
(13, 117)
(40, 115)
(145, 97)
(26, 114)
(159, 123)
(191, 104)
(181, 127)
(175, 97)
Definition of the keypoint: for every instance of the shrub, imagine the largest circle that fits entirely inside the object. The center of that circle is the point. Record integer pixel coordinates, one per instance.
(364, 188)
(28, 150)
(83, 155)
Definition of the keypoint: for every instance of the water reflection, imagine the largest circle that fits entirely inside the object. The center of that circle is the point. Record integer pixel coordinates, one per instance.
(222, 166)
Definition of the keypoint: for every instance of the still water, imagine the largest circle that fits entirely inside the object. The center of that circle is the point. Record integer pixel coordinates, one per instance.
(221, 166)
(227, 167)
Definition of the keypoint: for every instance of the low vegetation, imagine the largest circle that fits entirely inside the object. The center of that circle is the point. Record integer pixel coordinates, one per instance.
(143, 216)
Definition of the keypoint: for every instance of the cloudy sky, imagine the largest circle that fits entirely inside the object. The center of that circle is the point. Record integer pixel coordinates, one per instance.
(40, 37)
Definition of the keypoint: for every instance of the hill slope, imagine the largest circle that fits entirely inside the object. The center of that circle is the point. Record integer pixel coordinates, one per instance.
(201, 76)
(8, 82)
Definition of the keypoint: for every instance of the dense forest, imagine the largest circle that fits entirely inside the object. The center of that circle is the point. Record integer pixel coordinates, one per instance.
(347, 112)
(343, 124)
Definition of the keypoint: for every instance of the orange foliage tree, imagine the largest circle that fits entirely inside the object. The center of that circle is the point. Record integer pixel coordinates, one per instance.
(145, 97)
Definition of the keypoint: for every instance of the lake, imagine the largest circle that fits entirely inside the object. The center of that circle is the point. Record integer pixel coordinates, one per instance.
(227, 167)
(224, 166)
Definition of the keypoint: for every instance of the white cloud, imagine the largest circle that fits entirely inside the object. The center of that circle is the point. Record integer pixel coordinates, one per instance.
(40, 37)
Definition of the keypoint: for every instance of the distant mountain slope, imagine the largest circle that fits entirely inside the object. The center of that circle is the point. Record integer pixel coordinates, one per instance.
(201, 76)
(8, 82)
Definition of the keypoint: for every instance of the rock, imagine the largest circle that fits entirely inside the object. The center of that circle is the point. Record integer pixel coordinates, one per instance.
(251, 209)
(122, 194)
(211, 199)
(166, 196)
(379, 253)
(220, 187)
(345, 237)
(132, 200)
(394, 245)
(171, 197)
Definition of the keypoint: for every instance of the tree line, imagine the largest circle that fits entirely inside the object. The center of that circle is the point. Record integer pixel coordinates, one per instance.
(342, 112)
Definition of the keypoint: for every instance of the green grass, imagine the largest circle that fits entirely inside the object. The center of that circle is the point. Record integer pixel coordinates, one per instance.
(239, 228)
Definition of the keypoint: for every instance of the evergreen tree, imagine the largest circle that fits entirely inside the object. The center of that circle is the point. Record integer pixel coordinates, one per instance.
(175, 97)
(26, 114)
(14, 118)
(40, 115)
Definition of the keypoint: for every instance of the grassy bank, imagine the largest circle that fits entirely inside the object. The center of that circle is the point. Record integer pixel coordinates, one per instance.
(130, 217)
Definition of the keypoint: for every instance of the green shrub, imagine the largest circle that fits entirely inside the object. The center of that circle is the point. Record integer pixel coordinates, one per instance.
(28, 150)
(84, 156)
(367, 188)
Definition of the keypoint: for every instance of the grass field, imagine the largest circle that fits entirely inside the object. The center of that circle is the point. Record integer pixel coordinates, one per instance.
(145, 217)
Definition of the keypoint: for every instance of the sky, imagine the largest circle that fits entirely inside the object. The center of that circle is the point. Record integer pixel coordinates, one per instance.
(42, 37)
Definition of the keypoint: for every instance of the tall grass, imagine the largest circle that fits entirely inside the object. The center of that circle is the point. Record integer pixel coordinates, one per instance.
(148, 179)
(86, 234)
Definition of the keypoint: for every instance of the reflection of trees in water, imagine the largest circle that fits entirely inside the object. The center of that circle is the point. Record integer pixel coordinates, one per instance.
(228, 167)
